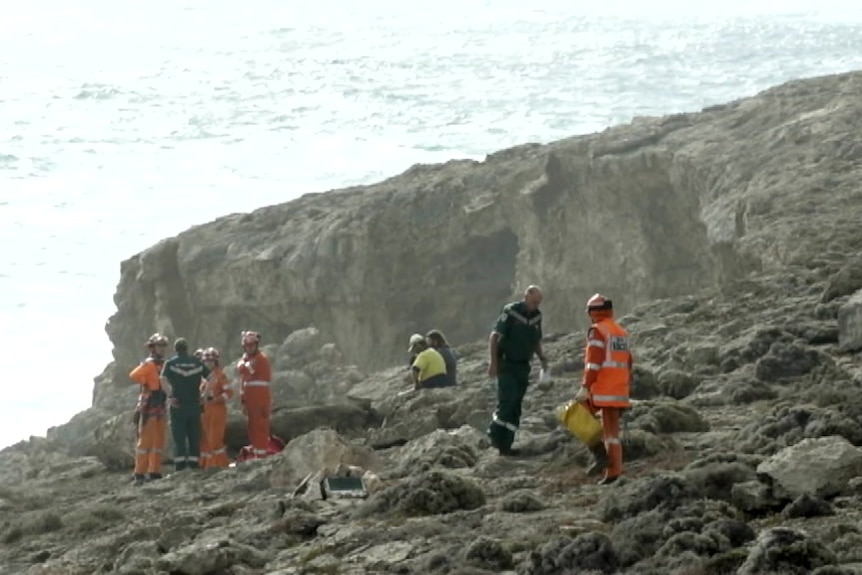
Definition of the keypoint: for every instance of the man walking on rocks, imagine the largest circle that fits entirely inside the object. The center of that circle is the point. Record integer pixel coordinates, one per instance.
(181, 378)
(606, 384)
(517, 335)
(255, 374)
(150, 411)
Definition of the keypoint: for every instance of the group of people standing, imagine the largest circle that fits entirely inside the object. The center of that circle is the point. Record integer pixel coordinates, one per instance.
(191, 392)
(605, 387)
(194, 390)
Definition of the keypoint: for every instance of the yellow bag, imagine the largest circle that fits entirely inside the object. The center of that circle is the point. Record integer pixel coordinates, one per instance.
(580, 422)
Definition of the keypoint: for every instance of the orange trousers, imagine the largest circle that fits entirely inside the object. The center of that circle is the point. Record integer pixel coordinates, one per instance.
(151, 443)
(613, 444)
(611, 437)
(213, 424)
(258, 407)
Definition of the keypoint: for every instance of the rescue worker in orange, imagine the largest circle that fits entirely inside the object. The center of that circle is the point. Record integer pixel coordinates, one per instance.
(215, 392)
(150, 412)
(606, 384)
(255, 373)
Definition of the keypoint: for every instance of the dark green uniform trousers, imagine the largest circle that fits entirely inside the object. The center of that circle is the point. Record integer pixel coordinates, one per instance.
(186, 433)
(512, 382)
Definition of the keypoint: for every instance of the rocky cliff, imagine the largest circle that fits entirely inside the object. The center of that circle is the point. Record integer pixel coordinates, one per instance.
(730, 238)
(652, 209)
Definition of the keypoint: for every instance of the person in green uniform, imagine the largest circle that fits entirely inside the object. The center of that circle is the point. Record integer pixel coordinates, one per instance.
(516, 337)
(181, 379)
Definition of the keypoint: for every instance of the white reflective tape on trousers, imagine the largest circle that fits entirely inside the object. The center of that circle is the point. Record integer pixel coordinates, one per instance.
(619, 398)
(257, 383)
(510, 426)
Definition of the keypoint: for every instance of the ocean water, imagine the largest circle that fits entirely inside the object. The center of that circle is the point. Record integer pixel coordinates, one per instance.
(123, 123)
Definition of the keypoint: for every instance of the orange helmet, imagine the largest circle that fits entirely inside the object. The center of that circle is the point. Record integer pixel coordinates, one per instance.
(211, 354)
(250, 337)
(599, 303)
(156, 339)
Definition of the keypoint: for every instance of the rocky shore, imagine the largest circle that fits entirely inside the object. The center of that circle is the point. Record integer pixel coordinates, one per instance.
(742, 446)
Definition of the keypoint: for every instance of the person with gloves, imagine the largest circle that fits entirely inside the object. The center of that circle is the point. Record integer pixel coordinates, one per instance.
(150, 412)
(215, 392)
(181, 379)
(516, 337)
(606, 384)
(255, 374)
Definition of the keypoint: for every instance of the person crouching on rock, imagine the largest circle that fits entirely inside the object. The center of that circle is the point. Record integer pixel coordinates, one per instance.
(181, 378)
(150, 411)
(436, 340)
(255, 374)
(429, 368)
(215, 392)
(606, 384)
(516, 337)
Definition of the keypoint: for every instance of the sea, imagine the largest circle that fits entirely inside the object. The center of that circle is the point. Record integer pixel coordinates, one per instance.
(122, 123)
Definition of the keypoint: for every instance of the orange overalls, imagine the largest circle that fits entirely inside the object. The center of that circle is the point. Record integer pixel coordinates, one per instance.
(214, 421)
(255, 374)
(607, 375)
(152, 421)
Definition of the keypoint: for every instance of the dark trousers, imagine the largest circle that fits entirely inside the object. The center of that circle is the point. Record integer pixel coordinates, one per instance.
(186, 433)
(512, 382)
(435, 382)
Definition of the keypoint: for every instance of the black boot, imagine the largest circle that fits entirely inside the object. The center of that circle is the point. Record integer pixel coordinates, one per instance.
(600, 459)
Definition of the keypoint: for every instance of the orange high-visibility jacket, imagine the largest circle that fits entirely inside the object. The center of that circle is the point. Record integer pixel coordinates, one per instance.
(219, 389)
(147, 376)
(255, 373)
(608, 364)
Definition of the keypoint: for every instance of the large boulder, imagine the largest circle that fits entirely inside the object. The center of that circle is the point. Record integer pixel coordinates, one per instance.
(321, 450)
(413, 414)
(349, 418)
(450, 449)
(114, 442)
(821, 466)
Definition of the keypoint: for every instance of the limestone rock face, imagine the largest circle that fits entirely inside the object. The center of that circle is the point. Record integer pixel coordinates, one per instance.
(652, 209)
